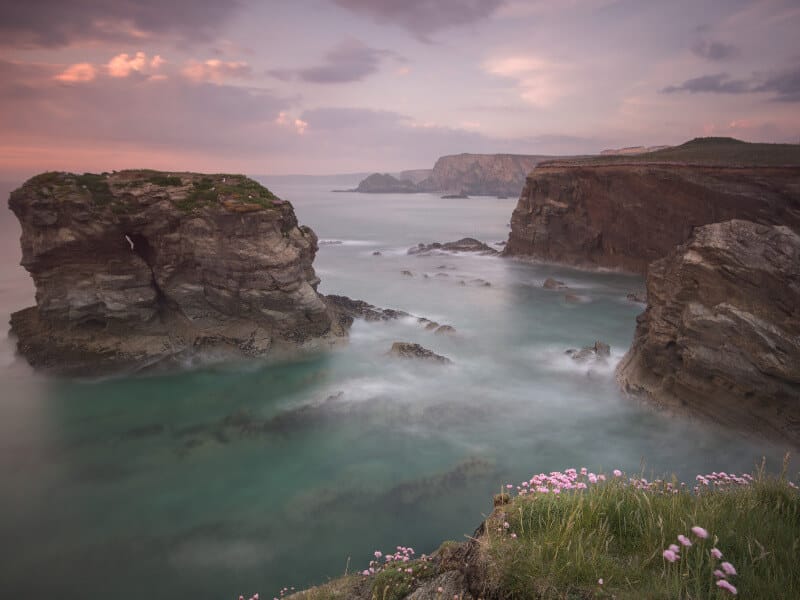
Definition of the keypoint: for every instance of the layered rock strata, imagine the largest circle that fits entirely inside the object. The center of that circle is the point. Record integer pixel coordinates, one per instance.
(624, 216)
(721, 333)
(136, 267)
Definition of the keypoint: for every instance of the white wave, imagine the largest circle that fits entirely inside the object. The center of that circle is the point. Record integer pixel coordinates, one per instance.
(555, 359)
(348, 243)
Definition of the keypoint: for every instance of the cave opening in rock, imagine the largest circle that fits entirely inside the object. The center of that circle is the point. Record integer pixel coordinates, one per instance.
(141, 246)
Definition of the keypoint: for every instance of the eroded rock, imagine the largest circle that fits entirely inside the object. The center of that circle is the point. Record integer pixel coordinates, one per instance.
(462, 245)
(138, 267)
(721, 333)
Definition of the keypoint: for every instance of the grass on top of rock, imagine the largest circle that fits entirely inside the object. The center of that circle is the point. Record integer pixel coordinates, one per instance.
(635, 539)
(97, 186)
(226, 188)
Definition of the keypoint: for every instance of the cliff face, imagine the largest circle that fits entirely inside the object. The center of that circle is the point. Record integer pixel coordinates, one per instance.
(138, 266)
(721, 333)
(481, 174)
(627, 215)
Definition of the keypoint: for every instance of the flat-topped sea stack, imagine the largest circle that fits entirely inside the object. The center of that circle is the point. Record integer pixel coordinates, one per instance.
(138, 267)
(623, 212)
(721, 333)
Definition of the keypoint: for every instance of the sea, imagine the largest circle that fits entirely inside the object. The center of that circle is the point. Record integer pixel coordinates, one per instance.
(229, 479)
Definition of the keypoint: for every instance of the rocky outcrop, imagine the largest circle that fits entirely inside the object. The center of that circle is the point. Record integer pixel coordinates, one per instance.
(462, 245)
(415, 351)
(624, 216)
(137, 267)
(383, 183)
(459, 176)
(721, 333)
(481, 174)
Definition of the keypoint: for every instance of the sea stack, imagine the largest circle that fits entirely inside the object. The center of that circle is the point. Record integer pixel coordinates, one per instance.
(137, 267)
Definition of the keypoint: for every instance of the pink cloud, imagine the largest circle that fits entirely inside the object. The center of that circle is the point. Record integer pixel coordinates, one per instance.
(122, 65)
(77, 73)
(216, 71)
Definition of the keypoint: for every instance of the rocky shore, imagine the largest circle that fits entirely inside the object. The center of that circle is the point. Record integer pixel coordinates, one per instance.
(141, 268)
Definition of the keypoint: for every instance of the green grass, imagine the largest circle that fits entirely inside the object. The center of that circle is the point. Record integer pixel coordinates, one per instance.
(566, 543)
(97, 186)
(165, 180)
(224, 187)
(715, 151)
(395, 583)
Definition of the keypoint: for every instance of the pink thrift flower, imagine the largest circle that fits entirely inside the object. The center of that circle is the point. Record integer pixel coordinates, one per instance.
(509, 486)
(506, 525)
(670, 555)
(684, 540)
(378, 553)
(728, 568)
(365, 572)
(600, 581)
(700, 532)
(726, 585)
(719, 574)
(513, 535)
(617, 473)
(716, 553)
(674, 548)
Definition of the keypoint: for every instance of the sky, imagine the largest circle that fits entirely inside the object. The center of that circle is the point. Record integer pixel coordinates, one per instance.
(338, 86)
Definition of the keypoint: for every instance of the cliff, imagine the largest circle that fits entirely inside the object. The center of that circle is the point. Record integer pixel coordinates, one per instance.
(721, 333)
(481, 174)
(464, 174)
(138, 267)
(624, 215)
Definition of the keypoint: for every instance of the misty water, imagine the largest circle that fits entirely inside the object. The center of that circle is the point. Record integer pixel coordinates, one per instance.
(241, 478)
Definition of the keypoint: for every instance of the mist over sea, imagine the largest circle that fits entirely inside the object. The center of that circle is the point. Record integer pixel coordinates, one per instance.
(249, 477)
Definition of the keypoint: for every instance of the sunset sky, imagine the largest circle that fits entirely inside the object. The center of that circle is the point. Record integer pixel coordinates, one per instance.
(335, 86)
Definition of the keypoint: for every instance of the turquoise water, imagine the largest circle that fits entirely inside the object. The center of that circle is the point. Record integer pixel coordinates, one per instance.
(242, 478)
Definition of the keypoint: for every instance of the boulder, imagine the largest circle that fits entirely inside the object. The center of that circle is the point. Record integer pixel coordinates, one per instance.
(553, 284)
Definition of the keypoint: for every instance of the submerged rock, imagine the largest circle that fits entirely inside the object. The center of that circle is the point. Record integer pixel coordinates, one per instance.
(721, 333)
(445, 330)
(462, 245)
(411, 350)
(139, 267)
(553, 284)
(358, 309)
(598, 351)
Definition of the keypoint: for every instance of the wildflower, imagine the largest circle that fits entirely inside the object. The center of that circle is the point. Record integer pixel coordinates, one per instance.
(716, 553)
(700, 532)
(617, 473)
(728, 568)
(684, 540)
(365, 572)
(726, 585)
(378, 553)
(674, 548)
(600, 581)
(670, 555)
(506, 525)
(719, 574)
(440, 589)
(514, 535)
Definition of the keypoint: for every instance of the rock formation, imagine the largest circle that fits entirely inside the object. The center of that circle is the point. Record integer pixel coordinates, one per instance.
(383, 183)
(415, 351)
(624, 215)
(136, 267)
(462, 245)
(459, 176)
(721, 333)
(599, 351)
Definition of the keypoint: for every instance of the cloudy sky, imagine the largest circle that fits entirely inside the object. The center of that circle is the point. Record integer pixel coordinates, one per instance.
(333, 86)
